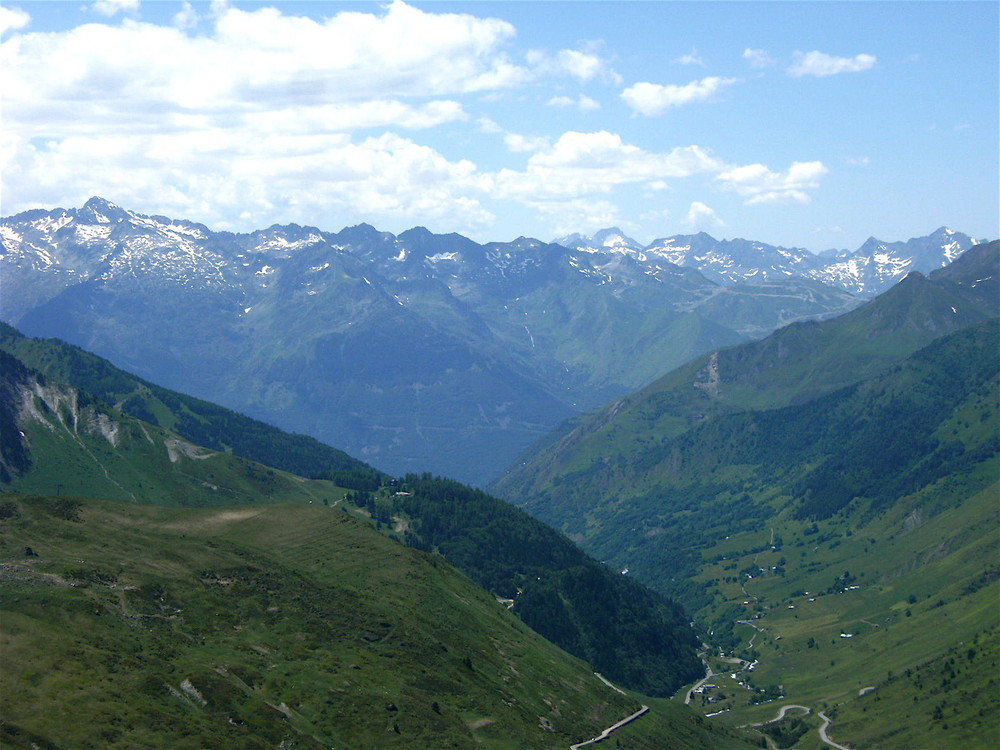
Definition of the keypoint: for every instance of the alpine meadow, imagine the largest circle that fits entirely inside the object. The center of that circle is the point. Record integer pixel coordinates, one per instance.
(510, 375)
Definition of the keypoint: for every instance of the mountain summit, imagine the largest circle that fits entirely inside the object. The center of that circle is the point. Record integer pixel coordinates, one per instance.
(415, 352)
(866, 272)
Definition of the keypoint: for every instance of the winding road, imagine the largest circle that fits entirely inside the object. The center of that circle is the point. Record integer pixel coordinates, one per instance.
(781, 714)
(825, 737)
(783, 711)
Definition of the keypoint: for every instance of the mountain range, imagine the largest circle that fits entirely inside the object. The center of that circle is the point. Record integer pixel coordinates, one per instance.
(866, 272)
(414, 352)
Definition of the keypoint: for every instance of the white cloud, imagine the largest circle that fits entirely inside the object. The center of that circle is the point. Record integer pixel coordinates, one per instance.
(515, 142)
(12, 19)
(113, 7)
(691, 58)
(583, 103)
(654, 99)
(859, 161)
(582, 164)
(758, 58)
(98, 77)
(263, 116)
(700, 217)
(186, 17)
(486, 125)
(215, 176)
(522, 143)
(259, 114)
(758, 184)
(581, 65)
(820, 64)
(578, 215)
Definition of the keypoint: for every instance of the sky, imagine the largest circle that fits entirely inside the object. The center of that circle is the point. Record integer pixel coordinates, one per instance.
(803, 124)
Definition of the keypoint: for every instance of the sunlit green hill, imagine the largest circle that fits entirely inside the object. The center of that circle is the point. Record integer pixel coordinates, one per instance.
(289, 625)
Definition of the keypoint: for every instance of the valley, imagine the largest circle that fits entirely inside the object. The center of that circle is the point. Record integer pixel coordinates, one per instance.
(832, 547)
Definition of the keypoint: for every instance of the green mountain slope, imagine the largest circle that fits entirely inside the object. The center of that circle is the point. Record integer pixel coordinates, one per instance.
(262, 626)
(629, 633)
(198, 421)
(839, 550)
(58, 439)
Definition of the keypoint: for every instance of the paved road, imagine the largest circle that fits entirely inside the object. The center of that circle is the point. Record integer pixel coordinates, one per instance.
(825, 737)
(781, 714)
(604, 735)
(709, 674)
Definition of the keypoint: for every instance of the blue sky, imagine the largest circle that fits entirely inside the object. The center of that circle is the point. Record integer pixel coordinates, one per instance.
(803, 124)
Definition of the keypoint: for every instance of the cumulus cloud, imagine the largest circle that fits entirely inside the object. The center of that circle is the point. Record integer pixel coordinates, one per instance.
(691, 58)
(521, 143)
(12, 19)
(758, 184)
(758, 58)
(653, 99)
(261, 104)
(584, 65)
(583, 103)
(820, 64)
(263, 116)
(186, 17)
(586, 164)
(218, 176)
(585, 215)
(581, 65)
(113, 7)
(97, 77)
(700, 217)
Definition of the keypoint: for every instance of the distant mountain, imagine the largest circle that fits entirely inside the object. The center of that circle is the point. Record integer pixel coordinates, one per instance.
(866, 272)
(792, 365)
(417, 352)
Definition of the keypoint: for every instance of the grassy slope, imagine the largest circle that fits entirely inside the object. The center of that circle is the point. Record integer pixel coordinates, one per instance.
(920, 585)
(81, 446)
(138, 626)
